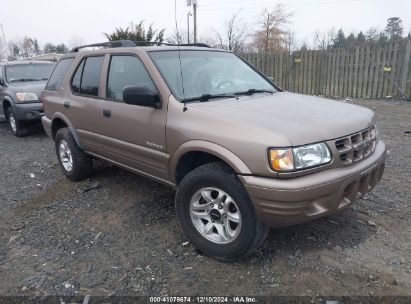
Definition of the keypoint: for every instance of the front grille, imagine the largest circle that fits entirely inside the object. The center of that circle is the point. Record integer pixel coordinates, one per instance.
(356, 147)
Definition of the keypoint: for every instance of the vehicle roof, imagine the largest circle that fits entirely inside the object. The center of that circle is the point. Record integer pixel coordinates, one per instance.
(20, 62)
(139, 49)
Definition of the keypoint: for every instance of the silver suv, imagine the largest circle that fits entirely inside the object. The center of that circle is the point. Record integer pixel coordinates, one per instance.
(21, 83)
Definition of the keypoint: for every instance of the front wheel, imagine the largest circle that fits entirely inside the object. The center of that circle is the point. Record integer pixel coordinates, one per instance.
(17, 127)
(216, 213)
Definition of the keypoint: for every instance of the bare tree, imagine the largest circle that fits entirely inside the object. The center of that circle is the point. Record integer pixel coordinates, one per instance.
(3, 51)
(234, 34)
(75, 41)
(324, 40)
(272, 33)
(28, 47)
(15, 48)
(290, 41)
(180, 37)
(372, 34)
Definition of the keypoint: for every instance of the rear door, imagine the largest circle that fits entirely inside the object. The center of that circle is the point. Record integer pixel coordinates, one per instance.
(82, 104)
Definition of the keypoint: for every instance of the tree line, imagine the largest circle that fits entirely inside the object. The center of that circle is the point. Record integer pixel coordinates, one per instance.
(270, 33)
(30, 47)
(338, 39)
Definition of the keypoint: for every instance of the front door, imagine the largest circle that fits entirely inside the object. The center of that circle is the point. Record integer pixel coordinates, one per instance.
(132, 135)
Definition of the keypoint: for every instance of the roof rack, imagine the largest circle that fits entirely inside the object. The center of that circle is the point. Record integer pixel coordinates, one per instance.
(130, 43)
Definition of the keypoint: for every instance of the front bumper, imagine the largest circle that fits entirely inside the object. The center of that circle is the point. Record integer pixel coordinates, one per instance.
(46, 125)
(28, 111)
(284, 202)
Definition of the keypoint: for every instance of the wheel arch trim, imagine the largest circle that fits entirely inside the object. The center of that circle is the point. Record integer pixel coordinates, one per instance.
(59, 115)
(214, 149)
(8, 99)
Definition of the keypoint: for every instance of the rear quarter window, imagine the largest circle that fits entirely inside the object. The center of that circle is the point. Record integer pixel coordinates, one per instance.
(58, 74)
(90, 79)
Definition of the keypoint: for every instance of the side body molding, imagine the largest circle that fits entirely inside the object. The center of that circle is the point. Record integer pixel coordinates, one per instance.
(208, 147)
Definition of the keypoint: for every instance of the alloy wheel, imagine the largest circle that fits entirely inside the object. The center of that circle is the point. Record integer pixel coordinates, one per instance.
(215, 215)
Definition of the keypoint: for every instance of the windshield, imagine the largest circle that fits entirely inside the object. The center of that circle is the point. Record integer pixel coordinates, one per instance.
(28, 72)
(207, 73)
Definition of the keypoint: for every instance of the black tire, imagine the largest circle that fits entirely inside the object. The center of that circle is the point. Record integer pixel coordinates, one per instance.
(82, 164)
(219, 175)
(20, 128)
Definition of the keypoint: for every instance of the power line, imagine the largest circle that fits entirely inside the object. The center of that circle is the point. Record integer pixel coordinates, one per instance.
(292, 5)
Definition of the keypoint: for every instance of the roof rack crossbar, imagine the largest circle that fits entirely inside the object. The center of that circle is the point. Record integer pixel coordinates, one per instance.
(129, 43)
(142, 43)
(112, 44)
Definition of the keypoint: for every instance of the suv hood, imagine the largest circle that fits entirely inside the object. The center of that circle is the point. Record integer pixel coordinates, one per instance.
(28, 86)
(302, 119)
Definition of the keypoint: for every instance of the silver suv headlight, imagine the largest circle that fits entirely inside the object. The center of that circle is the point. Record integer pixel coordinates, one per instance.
(299, 158)
(26, 97)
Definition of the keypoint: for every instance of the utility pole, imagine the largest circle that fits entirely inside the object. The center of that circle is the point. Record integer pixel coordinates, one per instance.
(4, 39)
(188, 26)
(195, 20)
(194, 2)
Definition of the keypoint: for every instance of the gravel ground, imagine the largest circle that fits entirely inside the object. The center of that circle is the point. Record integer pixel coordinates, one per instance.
(116, 233)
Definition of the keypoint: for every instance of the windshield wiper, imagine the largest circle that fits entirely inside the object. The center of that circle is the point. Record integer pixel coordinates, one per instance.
(253, 91)
(206, 97)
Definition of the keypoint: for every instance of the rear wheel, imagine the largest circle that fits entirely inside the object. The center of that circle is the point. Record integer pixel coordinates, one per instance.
(216, 213)
(76, 164)
(18, 128)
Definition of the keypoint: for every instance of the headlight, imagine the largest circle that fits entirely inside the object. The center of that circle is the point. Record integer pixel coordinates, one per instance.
(299, 158)
(26, 96)
(375, 133)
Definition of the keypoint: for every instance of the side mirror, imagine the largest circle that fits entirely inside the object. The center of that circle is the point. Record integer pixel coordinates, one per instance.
(1, 80)
(141, 96)
(271, 78)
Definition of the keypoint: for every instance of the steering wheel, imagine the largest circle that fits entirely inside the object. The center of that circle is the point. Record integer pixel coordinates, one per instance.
(225, 82)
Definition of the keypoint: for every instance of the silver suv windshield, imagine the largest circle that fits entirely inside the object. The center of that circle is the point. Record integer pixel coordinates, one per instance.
(28, 72)
(207, 74)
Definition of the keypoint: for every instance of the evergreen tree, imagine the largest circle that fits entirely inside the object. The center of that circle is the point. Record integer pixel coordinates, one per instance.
(394, 28)
(382, 38)
(351, 41)
(16, 50)
(61, 49)
(136, 32)
(360, 39)
(340, 40)
(49, 48)
(36, 47)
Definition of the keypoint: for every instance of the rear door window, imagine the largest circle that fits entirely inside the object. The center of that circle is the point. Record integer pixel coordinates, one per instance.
(58, 74)
(87, 77)
(126, 70)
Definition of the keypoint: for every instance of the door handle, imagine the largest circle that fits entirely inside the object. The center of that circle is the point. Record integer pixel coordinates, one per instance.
(67, 104)
(106, 113)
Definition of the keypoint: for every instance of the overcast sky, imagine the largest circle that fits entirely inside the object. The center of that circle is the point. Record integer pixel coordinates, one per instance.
(59, 21)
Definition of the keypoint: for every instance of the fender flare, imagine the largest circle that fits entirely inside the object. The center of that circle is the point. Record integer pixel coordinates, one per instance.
(59, 115)
(10, 100)
(217, 150)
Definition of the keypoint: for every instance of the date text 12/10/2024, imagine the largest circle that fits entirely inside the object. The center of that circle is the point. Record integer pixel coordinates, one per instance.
(199, 299)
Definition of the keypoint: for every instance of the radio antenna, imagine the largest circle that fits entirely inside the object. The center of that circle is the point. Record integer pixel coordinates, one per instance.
(179, 54)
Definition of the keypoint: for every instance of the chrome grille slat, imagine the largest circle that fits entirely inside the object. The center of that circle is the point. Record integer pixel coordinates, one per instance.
(355, 147)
